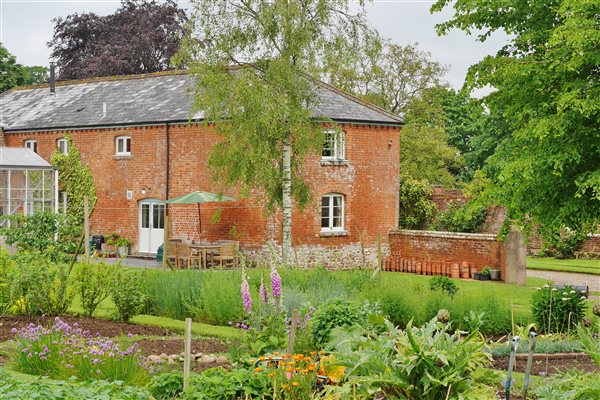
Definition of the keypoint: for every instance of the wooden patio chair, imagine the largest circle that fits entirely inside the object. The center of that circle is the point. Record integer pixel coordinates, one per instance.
(172, 254)
(228, 254)
(187, 257)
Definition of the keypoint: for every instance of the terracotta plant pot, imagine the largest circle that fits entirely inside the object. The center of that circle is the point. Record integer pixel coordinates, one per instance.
(464, 270)
(455, 271)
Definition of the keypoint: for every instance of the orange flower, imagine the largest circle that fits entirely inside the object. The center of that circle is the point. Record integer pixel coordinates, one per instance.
(261, 358)
(284, 386)
(276, 353)
(271, 375)
(259, 369)
(294, 384)
(313, 353)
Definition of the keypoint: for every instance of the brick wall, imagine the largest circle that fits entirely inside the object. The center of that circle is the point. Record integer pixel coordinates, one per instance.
(368, 181)
(438, 251)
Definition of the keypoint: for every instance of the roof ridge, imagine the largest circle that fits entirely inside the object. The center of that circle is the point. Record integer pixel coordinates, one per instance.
(109, 78)
(357, 99)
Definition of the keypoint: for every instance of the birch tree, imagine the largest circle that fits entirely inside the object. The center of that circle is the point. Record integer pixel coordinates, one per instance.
(252, 60)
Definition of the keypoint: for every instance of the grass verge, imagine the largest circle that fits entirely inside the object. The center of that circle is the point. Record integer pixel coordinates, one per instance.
(553, 264)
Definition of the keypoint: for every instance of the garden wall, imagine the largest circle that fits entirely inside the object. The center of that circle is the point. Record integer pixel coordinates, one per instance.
(442, 253)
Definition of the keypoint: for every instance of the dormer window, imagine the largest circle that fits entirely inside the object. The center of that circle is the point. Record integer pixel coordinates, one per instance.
(334, 145)
(31, 145)
(123, 146)
(63, 146)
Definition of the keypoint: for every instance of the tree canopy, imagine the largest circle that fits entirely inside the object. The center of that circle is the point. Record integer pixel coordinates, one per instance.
(14, 74)
(263, 107)
(140, 37)
(546, 89)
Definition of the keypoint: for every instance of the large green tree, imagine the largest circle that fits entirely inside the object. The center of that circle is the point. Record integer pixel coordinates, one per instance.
(382, 72)
(14, 74)
(546, 87)
(263, 107)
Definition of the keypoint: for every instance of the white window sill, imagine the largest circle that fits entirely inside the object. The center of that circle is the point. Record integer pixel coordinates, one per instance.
(333, 161)
(122, 156)
(331, 233)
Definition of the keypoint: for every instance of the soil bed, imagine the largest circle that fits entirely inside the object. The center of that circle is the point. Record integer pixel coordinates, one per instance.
(176, 346)
(93, 325)
(538, 366)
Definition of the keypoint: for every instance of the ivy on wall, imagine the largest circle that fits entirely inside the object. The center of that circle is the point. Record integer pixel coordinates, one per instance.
(75, 179)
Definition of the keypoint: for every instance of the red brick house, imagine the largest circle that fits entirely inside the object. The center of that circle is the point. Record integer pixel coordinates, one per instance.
(134, 133)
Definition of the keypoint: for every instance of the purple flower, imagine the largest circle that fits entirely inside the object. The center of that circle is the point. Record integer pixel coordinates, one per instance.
(264, 294)
(246, 298)
(275, 283)
(14, 330)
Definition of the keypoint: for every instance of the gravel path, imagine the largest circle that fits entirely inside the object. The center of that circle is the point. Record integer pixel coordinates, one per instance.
(593, 281)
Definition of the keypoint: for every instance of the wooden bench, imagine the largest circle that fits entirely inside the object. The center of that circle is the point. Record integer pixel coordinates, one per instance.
(583, 289)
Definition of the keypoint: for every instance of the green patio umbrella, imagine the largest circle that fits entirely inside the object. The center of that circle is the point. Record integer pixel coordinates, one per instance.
(199, 197)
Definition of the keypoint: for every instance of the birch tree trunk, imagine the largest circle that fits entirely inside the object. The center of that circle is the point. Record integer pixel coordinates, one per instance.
(286, 236)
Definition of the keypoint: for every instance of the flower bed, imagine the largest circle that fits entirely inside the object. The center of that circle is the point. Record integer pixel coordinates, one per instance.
(64, 351)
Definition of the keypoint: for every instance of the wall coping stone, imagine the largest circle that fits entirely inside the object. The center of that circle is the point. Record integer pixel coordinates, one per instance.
(446, 235)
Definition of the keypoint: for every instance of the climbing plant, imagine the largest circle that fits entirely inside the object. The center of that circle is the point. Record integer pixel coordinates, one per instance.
(75, 179)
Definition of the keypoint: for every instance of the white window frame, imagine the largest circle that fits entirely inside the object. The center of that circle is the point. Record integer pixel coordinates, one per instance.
(123, 139)
(62, 145)
(330, 208)
(338, 150)
(31, 145)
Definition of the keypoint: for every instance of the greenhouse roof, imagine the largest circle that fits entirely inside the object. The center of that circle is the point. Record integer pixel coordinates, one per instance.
(21, 158)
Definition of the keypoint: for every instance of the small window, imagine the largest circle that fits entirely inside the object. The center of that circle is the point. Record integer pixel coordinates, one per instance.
(63, 146)
(332, 212)
(31, 145)
(123, 145)
(334, 145)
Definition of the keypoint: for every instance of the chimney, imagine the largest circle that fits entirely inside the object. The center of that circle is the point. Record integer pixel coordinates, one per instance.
(52, 79)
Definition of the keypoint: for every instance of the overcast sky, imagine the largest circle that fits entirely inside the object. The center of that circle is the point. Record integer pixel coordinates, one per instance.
(26, 26)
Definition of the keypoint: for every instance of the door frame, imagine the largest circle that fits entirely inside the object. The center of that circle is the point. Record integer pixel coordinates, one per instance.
(152, 202)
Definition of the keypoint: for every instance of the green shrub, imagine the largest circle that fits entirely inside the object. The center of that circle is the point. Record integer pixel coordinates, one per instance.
(334, 313)
(173, 294)
(468, 217)
(36, 233)
(444, 284)
(417, 363)
(166, 386)
(557, 310)
(6, 270)
(127, 294)
(39, 286)
(66, 390)
(416, 209)
(571, 385)
(219, 301)
(94, 282)
(566, 242)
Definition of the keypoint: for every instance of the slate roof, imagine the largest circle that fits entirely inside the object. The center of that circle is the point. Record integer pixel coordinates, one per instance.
(20, 157)
(140, 99)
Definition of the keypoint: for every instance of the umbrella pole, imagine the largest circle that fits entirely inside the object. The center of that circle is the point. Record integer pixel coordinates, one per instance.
(199, 224)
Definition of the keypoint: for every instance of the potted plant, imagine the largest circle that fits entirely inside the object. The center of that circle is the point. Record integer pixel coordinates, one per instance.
(110, 245)
(495, 274)
(484, 275)
(123, 245)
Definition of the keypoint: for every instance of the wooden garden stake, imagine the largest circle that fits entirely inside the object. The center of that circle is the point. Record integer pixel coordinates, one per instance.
(293, 328)
(188, 349)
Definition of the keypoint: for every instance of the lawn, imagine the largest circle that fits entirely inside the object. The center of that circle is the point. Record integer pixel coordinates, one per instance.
(554, 264)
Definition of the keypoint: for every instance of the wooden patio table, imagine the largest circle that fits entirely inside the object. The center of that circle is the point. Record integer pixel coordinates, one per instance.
(204, 249)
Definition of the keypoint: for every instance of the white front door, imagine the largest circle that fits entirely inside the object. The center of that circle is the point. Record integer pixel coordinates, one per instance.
(152, 226)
